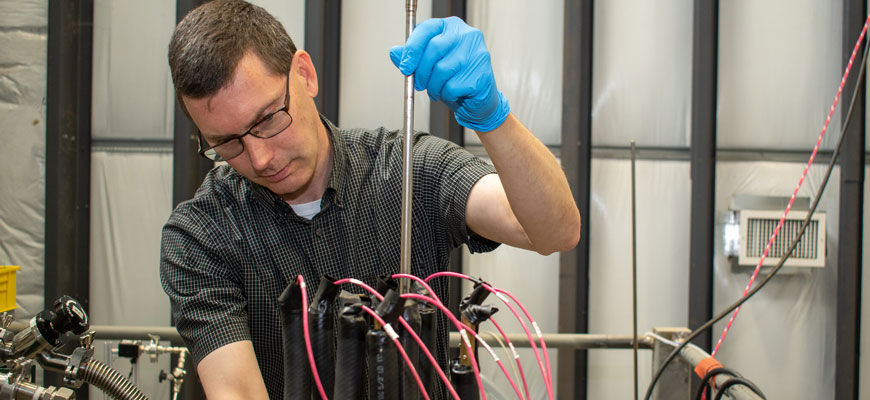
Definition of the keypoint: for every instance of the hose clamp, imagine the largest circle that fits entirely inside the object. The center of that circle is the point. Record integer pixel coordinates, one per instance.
(79, 357)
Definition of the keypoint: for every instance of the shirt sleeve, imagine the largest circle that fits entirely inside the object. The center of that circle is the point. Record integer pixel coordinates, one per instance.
(455, 172)
(208, 303)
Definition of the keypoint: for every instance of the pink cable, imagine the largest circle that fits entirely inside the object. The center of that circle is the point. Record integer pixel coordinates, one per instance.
(301, 281)
(496, 359)
(547, 381)
(516, 357)
(800, 182)
(422, 283)
(461, 328)
(401, 349)
(412, 333)
(537, 330)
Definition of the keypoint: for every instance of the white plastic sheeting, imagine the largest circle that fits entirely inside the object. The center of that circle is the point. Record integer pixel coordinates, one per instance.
(371, 93)
(663, 201)
(642, 73)
(779, 68)
(525, 41)
(131, 197)
(784, 337)
(132, 88)
(23, 40)
(291, 14)
(864, 366)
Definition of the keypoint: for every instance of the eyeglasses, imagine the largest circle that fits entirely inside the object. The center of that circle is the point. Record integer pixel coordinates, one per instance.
(265, 128)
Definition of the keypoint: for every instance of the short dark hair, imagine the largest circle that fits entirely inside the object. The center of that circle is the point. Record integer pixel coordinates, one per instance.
(211, 39)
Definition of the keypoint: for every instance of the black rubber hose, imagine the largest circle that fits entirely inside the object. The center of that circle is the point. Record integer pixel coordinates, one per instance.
(463, 380)
(109, 381)
(382, 360)
(411, 314)
(350, 354)
(321, 320)
(427, 335)
(297, 374)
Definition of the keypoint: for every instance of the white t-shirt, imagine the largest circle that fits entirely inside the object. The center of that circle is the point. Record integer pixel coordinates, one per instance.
(307, 210)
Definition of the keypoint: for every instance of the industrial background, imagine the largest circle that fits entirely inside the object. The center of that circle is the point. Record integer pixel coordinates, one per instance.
(724, 99)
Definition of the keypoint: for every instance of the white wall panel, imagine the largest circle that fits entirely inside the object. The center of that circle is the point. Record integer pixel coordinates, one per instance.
(372, 88)
(864, 339)
(779, 69)
(131, 198)
(291, 14)
(663, 204)
(132, 88)
(642, 73)
(783, 339)
(525, 41)
(23, 40)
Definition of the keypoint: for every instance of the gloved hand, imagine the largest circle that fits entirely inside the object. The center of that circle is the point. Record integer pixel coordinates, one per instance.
(450, 61)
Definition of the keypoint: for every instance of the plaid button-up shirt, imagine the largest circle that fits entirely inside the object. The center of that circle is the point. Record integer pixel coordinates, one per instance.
(229, 252)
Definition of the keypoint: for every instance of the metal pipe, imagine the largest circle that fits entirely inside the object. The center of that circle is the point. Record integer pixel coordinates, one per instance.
(407, 177)
(570, 341)
(634, 262)
(693, 355)
(118, 332)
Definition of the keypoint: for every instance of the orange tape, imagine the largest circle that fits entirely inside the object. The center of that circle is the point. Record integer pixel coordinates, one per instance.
(705, 366)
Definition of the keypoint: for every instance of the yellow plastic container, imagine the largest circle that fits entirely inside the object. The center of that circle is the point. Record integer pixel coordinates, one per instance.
(7, 287)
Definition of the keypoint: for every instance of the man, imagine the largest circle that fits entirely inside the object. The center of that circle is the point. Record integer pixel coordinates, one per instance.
(301, 196)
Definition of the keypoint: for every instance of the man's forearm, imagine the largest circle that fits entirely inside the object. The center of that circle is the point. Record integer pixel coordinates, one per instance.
(535, 186)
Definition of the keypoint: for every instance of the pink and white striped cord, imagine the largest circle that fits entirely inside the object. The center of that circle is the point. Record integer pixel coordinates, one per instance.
(800, 182)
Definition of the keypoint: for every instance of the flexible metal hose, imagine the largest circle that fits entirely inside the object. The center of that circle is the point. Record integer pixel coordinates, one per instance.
(109, 381)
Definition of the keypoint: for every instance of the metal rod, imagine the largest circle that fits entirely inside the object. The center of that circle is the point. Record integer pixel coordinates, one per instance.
(576, 341)
(117, 332)
(407, 176)
(693, 355)
(634, 263)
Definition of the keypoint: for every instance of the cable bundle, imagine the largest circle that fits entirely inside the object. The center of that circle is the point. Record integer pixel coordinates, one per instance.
(340, 348)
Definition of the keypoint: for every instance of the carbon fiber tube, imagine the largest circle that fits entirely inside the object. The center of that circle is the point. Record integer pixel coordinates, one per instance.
(463, 380)
(321, 320)
(297, 374)
(411, 314)
(109, 381)
(382, 360)
(350, 354)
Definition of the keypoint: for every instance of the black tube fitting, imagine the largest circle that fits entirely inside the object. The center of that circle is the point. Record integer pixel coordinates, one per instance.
(321, 320)
(463, 380)
(476, 314)
(297, 381)
(382, 360)
(350, 353)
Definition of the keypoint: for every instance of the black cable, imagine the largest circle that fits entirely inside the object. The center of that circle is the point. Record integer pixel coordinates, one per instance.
(711, 374)
(738, 303)
(738, 381)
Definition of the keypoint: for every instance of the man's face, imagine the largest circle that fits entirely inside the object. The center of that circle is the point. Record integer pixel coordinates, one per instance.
(286, 163)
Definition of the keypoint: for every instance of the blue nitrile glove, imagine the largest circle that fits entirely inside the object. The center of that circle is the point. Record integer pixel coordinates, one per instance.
(449, 59)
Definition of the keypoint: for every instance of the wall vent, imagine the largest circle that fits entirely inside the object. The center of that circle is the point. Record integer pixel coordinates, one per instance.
(757, 226)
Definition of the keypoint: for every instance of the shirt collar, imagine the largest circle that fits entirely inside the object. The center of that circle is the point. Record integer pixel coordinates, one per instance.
(335, 186)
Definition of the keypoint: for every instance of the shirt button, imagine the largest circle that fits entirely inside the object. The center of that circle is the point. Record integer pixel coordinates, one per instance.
(318, 232)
